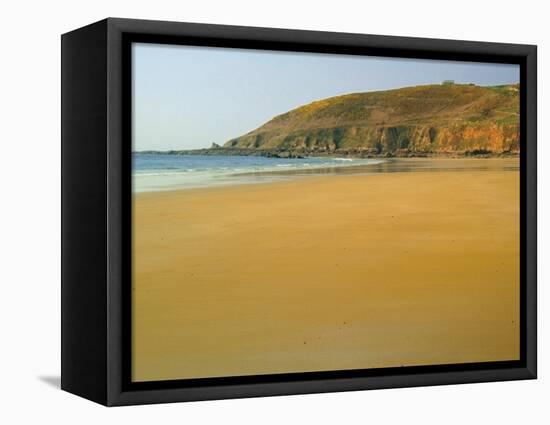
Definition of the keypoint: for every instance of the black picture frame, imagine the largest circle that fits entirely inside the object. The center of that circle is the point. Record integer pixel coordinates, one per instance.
(96, 211)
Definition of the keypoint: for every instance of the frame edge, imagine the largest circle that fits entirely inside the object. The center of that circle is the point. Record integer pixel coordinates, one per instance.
(117, 27)
(83, 212)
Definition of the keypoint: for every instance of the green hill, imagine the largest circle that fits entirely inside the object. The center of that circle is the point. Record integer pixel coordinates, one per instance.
(432, 119)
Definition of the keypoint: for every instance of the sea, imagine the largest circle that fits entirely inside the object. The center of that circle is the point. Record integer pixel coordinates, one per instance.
(160, 172)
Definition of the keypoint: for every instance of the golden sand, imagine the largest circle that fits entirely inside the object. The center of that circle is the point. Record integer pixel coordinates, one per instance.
(326, 273)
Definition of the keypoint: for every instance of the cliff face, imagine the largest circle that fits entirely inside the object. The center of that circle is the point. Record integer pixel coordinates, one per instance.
(422, 119)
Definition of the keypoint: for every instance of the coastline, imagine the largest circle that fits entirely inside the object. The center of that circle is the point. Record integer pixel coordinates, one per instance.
(320, 264)
(338, 153)
(268, 172)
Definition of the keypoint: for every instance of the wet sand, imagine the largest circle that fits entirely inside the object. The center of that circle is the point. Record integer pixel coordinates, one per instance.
(326, 273)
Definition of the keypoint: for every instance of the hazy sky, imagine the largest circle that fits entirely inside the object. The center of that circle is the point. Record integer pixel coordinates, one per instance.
(189, 97)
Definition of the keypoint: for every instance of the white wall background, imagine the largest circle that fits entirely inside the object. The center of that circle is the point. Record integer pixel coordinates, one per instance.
(30, 210)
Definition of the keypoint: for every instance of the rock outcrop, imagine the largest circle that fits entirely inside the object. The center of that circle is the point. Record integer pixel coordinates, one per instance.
(421, 120)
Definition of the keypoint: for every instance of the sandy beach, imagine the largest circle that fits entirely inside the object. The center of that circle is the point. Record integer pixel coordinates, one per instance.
(326, 273)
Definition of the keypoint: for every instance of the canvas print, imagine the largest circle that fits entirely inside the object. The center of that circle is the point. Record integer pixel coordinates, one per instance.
(303, 212)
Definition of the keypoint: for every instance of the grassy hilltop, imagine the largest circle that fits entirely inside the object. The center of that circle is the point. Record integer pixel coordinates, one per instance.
(431, 119)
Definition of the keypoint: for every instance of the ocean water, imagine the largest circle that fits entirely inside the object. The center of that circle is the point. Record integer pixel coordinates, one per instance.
(153, 172)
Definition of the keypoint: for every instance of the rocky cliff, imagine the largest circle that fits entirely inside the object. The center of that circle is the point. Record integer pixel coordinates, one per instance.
(432, 119)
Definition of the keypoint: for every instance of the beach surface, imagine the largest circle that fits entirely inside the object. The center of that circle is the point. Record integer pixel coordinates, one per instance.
(326, 273)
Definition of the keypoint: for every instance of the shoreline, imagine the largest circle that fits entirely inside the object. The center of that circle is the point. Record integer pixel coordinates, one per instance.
(383, 165)
(353, 154)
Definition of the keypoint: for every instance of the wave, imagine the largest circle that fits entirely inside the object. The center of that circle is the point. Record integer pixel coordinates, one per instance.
(173, 171)
(151, 176)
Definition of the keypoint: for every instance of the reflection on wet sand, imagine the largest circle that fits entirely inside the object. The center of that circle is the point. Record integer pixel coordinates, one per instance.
(401, 165)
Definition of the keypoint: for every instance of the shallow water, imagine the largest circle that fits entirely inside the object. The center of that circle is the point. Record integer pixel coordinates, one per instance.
(153, 172)
(401, 165)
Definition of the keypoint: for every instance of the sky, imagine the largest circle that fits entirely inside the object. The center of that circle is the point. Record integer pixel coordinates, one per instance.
(188, 97)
